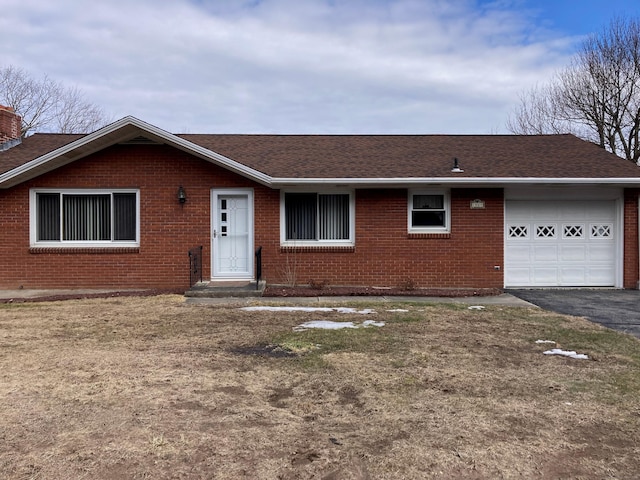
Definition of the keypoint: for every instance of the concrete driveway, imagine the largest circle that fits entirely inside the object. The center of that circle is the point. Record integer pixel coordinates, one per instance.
(616, 309)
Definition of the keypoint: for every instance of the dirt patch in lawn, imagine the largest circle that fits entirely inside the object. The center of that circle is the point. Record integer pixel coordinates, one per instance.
(132, 388)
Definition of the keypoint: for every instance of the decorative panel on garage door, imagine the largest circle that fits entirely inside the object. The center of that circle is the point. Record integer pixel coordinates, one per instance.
(564, 243)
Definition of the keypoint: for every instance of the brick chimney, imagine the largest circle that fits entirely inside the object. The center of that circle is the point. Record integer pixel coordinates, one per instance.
(10, 127)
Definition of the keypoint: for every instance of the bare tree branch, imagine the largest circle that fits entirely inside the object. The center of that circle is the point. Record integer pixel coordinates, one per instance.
(596, 97)
(538, 113)
(46, 105)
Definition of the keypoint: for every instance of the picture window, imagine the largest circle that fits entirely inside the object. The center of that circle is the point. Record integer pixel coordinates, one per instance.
(314, 217)
(72, 218)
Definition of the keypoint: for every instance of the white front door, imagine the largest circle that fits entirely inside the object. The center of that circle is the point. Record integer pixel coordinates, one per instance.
(232, 234)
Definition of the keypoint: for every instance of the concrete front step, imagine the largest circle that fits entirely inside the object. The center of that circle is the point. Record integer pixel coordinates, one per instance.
(226, 289)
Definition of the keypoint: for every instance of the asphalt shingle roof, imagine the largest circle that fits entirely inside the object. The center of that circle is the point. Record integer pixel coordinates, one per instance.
(33, 147)
(417, 156)
(388, 156)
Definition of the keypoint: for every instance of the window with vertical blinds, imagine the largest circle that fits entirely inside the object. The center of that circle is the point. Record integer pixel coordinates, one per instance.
(317, 217)
(79, 217)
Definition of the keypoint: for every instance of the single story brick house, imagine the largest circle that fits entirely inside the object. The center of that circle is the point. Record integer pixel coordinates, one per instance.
(122, 206)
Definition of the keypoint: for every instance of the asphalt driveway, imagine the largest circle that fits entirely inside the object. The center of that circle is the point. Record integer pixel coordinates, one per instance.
(616, 309)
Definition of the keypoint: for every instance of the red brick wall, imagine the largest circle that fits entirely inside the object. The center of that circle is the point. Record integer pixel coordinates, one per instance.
(10, 124)
(631, 273)
(385, 254)
(168, 229)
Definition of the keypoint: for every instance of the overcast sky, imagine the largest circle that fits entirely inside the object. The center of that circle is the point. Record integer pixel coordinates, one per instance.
(302, 66)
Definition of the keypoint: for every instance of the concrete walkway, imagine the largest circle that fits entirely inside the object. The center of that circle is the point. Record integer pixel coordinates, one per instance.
(34, 295)
(25, 295)
(503, 299)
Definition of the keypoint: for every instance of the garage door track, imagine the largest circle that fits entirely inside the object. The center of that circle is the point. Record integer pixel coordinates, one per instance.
(616, 309)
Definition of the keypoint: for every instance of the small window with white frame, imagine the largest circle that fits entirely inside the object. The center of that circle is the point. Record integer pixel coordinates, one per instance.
(429, 211)
(84, 218)
(317, 218)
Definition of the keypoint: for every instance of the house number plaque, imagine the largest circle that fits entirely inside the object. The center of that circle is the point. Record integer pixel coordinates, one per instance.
(477, 203)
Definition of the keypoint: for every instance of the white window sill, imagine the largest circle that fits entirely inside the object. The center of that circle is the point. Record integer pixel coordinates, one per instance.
(317, 247)
(427, 231)
(85, 245)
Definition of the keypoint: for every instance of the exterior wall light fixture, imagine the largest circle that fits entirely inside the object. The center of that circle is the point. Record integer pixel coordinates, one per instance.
(182, 196)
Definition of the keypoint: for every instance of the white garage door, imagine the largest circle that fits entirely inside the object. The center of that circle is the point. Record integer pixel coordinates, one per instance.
(563, 243)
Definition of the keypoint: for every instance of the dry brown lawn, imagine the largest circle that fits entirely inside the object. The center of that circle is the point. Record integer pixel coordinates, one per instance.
(133, 388)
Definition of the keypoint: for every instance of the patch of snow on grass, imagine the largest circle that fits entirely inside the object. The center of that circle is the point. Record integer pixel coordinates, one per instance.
(366, 311)
(371, 323)
(330, 325)
(398, 310)
(566, 353)
(476, 307)
(545, 341)
(286, 309)
(324, 324)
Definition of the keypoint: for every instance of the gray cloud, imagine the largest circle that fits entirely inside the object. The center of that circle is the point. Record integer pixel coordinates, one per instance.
(288, 66)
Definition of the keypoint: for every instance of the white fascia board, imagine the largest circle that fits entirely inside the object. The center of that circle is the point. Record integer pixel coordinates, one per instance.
(24, 168)
(167, 137)
(278, 182)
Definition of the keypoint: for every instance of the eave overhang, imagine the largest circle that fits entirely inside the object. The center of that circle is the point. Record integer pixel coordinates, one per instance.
(123, 130)
(485, 182)
(129, 128)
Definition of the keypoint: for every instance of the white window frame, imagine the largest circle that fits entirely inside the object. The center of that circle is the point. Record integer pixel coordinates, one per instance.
(318, 243)
(446, 206)
(33, 212)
